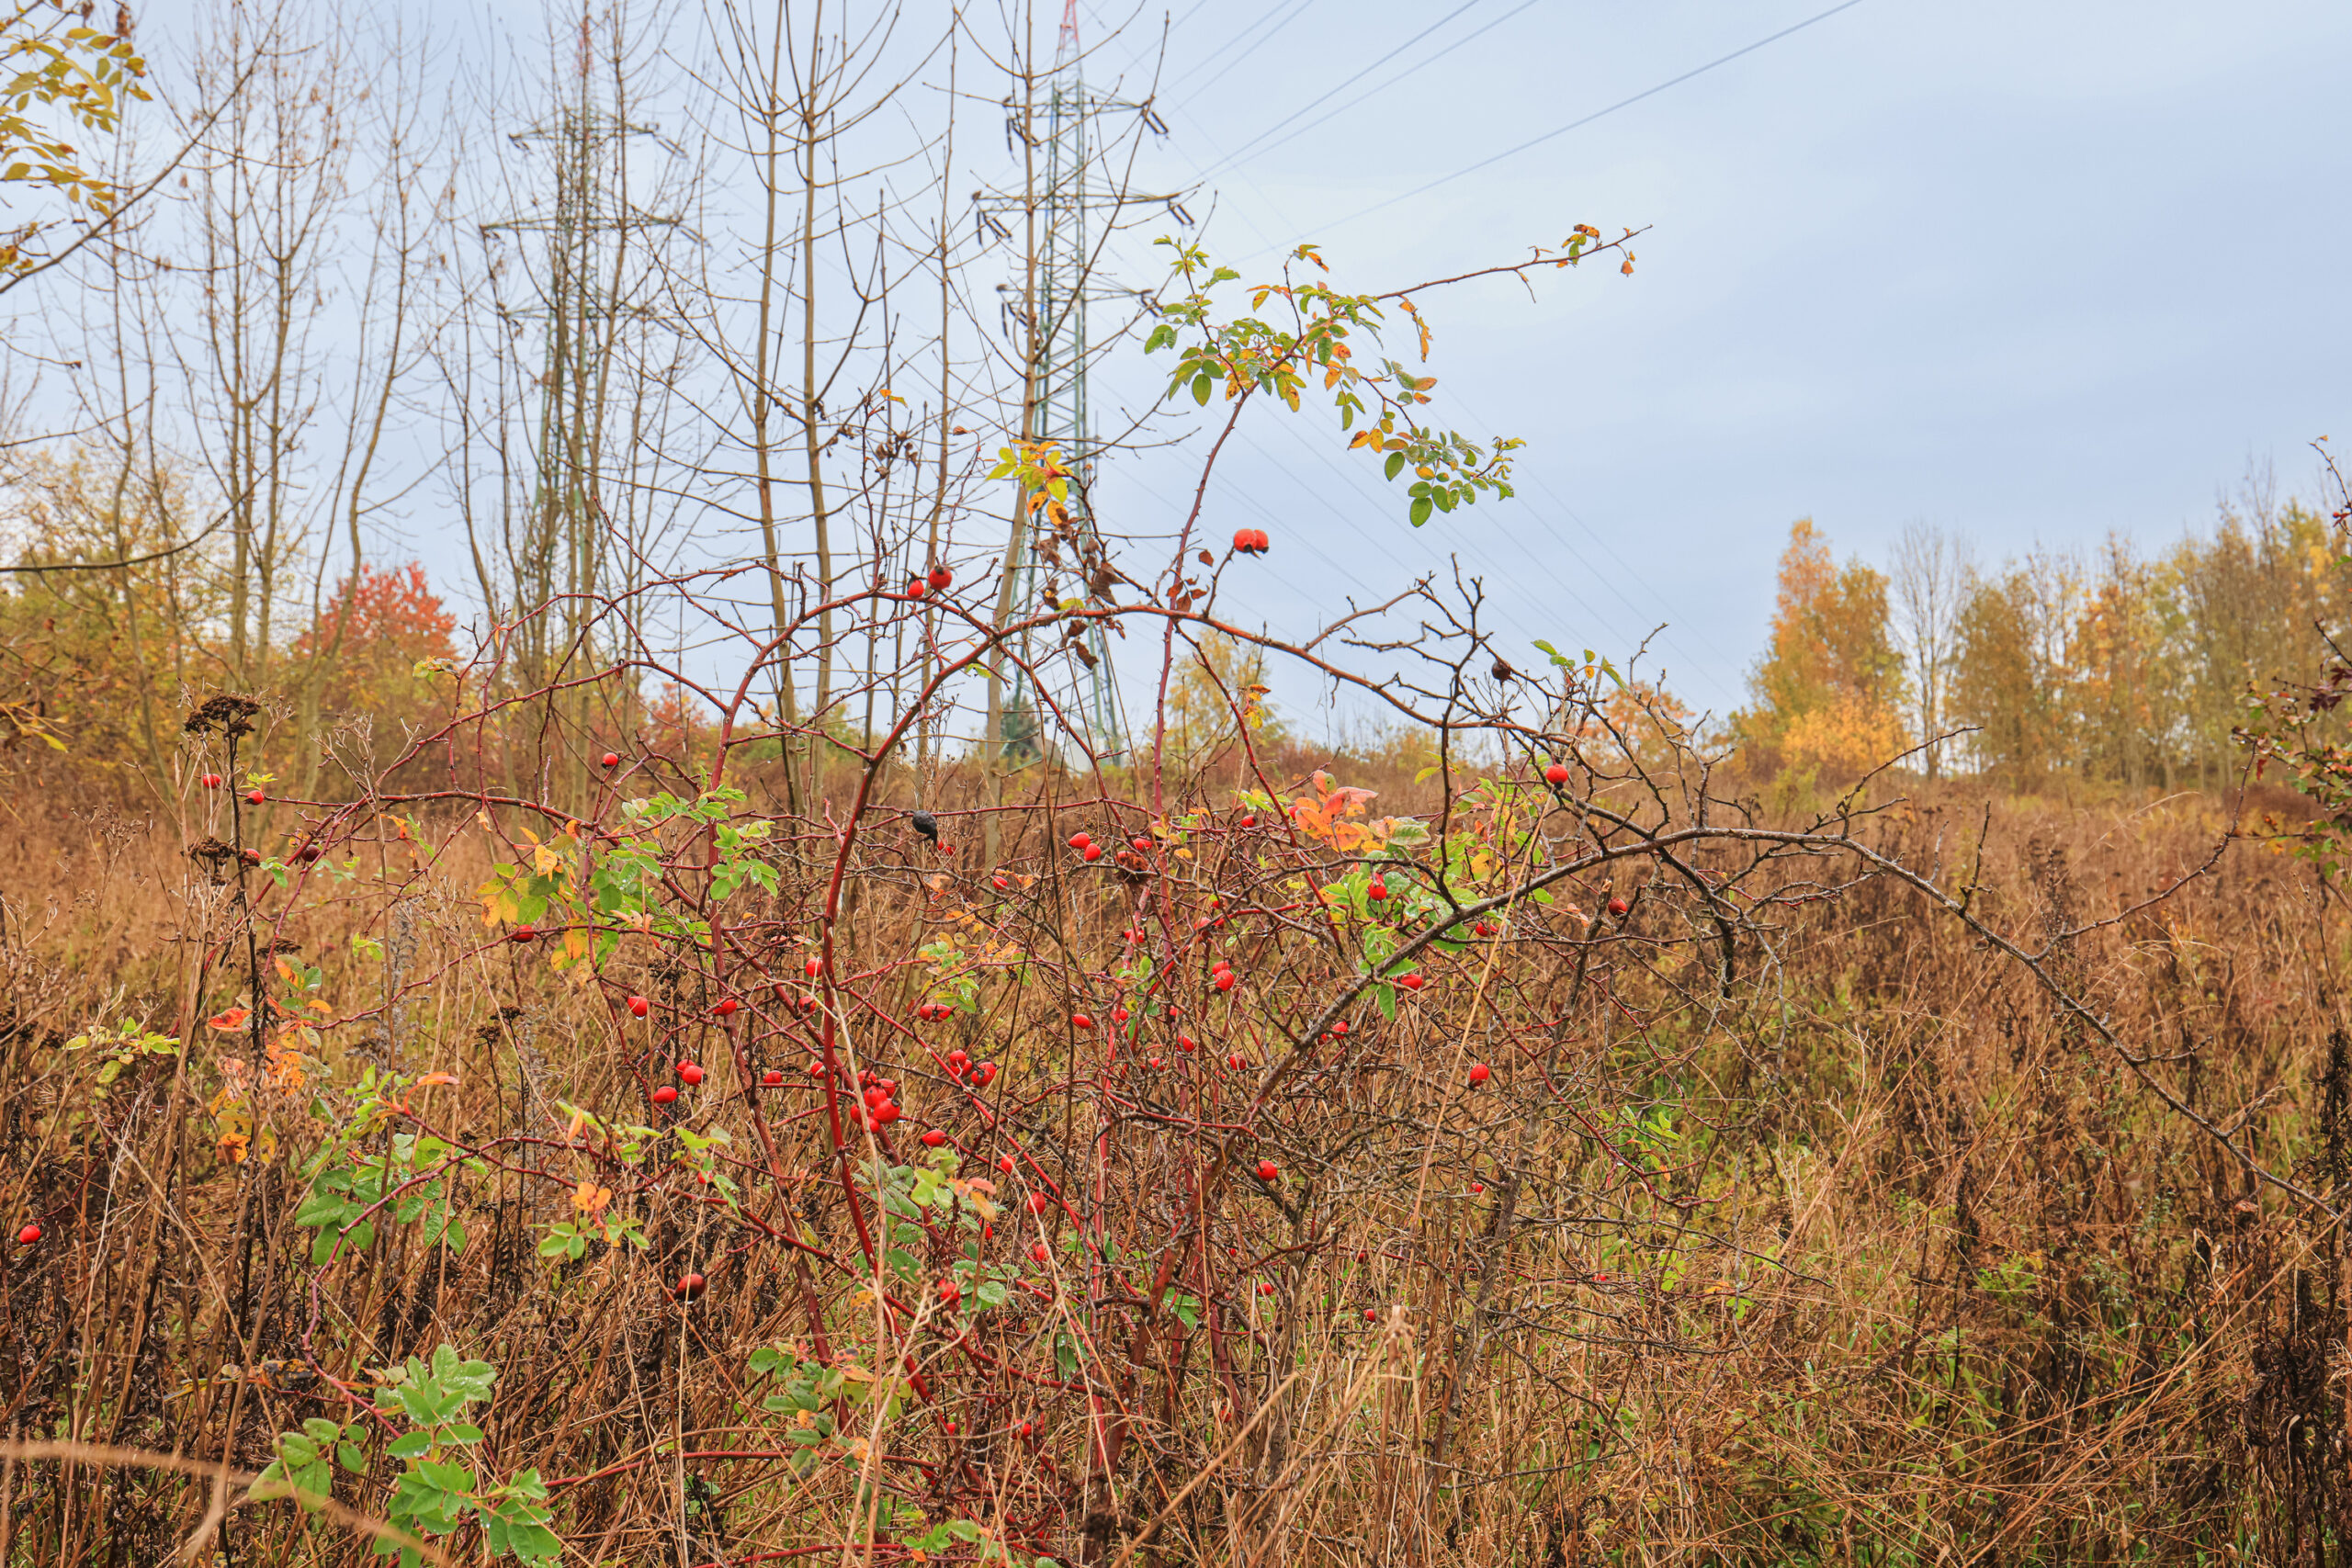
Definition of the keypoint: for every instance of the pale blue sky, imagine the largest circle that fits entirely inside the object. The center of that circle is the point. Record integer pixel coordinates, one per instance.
(2033, 271)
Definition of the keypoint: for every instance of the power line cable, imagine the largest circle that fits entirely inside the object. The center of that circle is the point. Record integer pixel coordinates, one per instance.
(1380, 504)
(1285, 20)
(1244, 150)
(1597, 114)
(1249, 150)
(1135, 57)
(1660, 610)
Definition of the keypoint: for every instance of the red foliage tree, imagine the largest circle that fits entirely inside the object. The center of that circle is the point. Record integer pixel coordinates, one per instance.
(373, 632)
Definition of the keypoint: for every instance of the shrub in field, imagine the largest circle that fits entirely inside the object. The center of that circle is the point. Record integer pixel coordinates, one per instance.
(748, 1148)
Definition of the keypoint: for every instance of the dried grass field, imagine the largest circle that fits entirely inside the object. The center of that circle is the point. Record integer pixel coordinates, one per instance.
(1568, 1248)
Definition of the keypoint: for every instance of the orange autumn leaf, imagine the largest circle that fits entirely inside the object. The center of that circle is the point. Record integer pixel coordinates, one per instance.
(233, 1019)
(1321, 818)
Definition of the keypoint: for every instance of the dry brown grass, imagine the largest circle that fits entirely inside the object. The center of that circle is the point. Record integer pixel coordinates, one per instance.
(1876, 1257)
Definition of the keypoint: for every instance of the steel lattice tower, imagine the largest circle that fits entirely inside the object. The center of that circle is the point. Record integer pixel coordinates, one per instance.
(565, 536)
(1056, 408)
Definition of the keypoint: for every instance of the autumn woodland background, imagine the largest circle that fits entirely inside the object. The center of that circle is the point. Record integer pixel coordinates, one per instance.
(679, 1036)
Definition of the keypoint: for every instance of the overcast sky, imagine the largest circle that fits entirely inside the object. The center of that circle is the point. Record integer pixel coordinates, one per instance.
(2034, 271)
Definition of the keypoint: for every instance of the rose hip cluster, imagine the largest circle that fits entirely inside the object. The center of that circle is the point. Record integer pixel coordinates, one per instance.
(877, 1101)
(961, 1067)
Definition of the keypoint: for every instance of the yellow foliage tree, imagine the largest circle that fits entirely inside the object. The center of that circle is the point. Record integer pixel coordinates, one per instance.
(102, 609)
(1222, 688)
(1829, 690)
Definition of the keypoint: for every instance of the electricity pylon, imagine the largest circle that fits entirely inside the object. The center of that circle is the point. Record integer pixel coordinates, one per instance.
(1068, 211)
(561, 552)
(559, 558)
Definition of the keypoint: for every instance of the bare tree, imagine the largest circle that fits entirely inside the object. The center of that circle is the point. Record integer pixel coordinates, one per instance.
(566, 361)
(269, 185)
(1934, 570)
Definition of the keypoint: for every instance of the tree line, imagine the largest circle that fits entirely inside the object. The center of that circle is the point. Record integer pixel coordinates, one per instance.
(2114, 665)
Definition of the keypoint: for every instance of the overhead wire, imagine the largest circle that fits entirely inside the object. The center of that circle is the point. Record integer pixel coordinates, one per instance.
(1668, 640)
(1583, 120)
(1370, 496)
(1355, 480)
(1226, 162)
(1661, 611)
(1467, 542)
(1244, 150)
(1298, 7)
(1251, 150)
